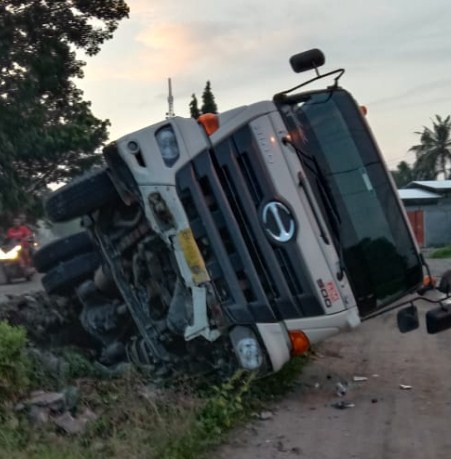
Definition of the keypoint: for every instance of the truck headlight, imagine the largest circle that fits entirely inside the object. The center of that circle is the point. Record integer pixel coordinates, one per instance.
(247, 348)
(167, 141)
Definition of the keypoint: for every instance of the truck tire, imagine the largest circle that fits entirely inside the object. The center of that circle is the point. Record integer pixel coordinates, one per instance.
(81, 196)
(62, 249)
(69, 274)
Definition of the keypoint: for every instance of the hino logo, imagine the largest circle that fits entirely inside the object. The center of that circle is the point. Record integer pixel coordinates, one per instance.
(278, 221)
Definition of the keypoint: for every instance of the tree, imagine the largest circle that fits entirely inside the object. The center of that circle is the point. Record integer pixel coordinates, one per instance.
(194, 108)
(403, 175)
(47, 131)
(208, 100)
(433, 154)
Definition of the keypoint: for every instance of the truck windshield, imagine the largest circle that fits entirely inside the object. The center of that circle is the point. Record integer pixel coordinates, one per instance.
(367, 221)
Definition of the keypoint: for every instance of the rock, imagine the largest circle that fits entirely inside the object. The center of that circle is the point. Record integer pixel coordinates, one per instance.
(265, 415)
(4, 299)
(54, 401)
(31, 301)
(69, 424)
(61, 301)
(38, 415)
(74, 425)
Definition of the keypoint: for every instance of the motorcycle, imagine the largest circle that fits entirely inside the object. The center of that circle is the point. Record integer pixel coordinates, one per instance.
(13, 261)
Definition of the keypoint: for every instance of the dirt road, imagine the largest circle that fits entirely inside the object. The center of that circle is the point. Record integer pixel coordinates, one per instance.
(20, 287)
(386, 421)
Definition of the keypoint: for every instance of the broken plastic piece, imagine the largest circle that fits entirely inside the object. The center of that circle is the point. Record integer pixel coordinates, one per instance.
(343, 405)
(405, 387)
(341, 389)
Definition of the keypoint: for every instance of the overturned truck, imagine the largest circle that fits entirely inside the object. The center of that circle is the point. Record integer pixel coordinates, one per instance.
(238, 239)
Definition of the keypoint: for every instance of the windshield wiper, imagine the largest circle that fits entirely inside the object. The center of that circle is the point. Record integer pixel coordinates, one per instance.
(327, 199)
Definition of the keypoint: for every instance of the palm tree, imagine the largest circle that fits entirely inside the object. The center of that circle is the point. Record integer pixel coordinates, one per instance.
(433, 154)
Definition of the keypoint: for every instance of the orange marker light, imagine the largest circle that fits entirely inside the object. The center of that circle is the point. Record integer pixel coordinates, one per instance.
(299, 342)
(363, 110)
(210, 122)
(429, 281)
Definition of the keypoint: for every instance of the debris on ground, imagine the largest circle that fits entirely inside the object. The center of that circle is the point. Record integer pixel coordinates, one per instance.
(405, 387)
(341, 389)
(49, 320)
(342, 405)
(265, 415)
(359, 378)
(72, 425)
(57, 407)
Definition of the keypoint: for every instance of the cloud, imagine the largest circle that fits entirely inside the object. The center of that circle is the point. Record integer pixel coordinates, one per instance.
(395, 53)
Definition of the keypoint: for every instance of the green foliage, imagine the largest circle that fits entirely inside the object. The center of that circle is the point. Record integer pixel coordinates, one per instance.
(47, 130)
(136, 420)
(433, 153)
(442, 252)
(194, 108)
(403, 175)
(225, 405)
(14, 364)
(229, 404)
(78, 365)
(279, 384)
(208, 100)
(208, 103)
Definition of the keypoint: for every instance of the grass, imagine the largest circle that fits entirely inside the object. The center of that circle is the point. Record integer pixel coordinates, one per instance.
(443, 252)
(134, 420)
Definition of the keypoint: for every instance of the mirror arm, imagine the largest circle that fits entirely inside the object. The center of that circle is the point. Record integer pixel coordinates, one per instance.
(279, 97)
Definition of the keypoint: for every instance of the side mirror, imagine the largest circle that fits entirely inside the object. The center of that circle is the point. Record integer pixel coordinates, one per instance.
(445, 283)
(308, 60)
(407, 319)
(438, 319)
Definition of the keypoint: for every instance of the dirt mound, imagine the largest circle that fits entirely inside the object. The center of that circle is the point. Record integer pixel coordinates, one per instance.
(50, 321)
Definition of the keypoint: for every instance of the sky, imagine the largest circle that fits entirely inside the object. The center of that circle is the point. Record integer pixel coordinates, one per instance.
(397, 56)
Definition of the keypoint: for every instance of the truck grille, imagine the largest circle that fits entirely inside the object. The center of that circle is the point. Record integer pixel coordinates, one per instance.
(222, 191)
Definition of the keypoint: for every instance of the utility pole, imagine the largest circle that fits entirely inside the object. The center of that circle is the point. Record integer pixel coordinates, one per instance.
(170, 113)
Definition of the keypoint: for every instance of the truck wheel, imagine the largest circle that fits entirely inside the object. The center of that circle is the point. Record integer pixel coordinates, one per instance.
(68, 274)
(81, 196)
(62, 249)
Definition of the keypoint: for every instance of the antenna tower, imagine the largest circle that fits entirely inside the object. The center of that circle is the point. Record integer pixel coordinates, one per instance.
(170, 113)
